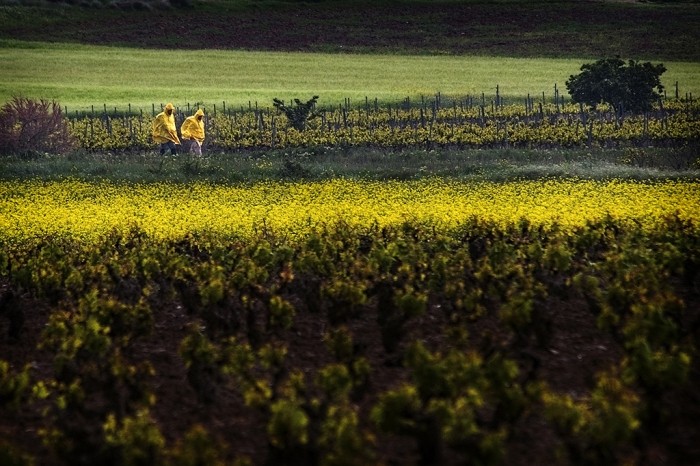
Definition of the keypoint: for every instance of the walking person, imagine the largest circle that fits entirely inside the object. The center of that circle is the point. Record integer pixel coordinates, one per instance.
(164, 131)
(192, 129)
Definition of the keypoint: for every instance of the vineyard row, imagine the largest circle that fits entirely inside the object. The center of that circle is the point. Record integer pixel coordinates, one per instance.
(332, 348)
(670, 123)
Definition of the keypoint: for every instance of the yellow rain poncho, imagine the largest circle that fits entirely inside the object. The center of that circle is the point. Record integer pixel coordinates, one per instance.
(164, 129)
(193, 127)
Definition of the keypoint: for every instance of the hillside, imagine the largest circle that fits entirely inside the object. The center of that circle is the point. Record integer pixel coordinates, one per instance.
(432, 288)
(587, 29)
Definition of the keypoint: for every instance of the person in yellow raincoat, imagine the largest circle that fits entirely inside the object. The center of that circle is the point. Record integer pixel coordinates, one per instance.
(164, 131)
(192, 129)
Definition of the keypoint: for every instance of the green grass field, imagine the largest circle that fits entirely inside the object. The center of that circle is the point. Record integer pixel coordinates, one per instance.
(80, 76)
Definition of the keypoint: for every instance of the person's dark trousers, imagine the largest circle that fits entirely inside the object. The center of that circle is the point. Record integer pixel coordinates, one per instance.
(168, 145)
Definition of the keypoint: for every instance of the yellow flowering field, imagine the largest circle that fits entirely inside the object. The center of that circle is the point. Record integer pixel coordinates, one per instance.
(88, 210)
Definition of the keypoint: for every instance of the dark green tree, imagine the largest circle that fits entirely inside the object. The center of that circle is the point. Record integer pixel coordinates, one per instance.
(630, 87)
(299, 113)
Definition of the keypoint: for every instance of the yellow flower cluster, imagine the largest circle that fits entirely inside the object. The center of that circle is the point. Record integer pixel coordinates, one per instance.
(87, 211)
(513, 125)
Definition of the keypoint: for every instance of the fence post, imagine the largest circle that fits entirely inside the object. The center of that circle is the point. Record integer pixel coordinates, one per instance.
(274, 132)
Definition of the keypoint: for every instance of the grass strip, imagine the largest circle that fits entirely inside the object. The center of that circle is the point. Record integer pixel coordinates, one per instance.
(81, 77)
(495, 165)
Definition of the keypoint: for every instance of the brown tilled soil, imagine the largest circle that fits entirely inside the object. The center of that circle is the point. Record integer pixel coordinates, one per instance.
(587, 29)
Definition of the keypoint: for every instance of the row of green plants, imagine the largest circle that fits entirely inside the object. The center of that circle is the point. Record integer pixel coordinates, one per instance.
(431, 126)
(461, 321)
(29, 126)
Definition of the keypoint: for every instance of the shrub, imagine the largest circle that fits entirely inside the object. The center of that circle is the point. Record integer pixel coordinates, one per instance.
(30, 126)
(299, 113)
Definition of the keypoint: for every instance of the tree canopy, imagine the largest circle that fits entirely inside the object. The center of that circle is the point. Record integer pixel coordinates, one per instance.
(631, 87)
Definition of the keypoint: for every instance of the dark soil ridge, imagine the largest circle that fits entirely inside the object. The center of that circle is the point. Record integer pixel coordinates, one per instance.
(580, 29)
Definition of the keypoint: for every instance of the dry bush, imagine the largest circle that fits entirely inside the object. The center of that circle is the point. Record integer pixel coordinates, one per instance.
(33, 126)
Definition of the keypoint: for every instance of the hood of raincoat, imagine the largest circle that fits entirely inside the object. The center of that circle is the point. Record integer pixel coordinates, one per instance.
(199, 112)
(169, 106)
